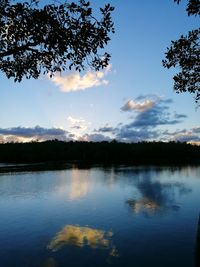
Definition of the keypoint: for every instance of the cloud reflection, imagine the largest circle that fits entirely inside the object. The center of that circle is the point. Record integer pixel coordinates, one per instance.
(73, 235)
(80, 184)
(156, 196)
(143, 204)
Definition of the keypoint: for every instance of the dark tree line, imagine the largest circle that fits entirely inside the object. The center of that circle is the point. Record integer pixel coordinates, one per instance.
(100, 152)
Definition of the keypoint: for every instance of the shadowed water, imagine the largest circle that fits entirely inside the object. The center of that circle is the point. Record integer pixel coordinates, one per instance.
(116, 216)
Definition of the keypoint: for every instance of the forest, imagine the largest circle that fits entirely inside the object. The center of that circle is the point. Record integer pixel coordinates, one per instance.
(100, 152)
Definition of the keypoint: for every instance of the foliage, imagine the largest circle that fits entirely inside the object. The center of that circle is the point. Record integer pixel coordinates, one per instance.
(193, 7)
(185, 54)
(38, 39)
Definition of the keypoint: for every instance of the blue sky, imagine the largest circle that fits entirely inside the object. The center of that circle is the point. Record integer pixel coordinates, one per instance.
(132, 100)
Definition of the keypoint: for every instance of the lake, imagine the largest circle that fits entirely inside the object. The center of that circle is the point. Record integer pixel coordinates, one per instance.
(100, 216)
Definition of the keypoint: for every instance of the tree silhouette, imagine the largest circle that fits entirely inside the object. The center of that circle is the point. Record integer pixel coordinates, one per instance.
(38, 39)
(101, 152)
(185, 54)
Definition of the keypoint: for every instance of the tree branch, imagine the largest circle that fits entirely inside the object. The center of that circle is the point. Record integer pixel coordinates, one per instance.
(18, 49)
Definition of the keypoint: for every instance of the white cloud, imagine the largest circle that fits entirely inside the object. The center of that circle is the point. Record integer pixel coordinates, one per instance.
(78, 124)
(75, 82)
(138, 106)
(74, 121)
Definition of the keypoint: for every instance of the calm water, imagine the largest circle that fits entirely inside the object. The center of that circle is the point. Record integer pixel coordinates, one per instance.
(118, 216)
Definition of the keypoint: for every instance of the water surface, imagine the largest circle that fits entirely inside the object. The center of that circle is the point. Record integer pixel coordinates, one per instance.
(116, 216)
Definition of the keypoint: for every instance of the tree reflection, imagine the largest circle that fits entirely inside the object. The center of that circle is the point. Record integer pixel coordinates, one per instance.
(72, 235)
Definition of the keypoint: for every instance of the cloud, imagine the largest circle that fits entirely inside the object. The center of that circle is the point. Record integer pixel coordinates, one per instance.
(126, 134)
(76, 236)
(138, 106)
(187, 138)
(22, 134)
(105, 129)
(74, 121)
(78, 123)
(156, 115)
(155, 196)
(190, 136)
(196, 130)
(179, 116)
(94, 138)
(80, 185)
(75, 82)
(150, 112)
(77, 127)
(149, 115)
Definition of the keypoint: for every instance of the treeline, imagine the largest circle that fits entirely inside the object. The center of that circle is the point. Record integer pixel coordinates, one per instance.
(100, 152)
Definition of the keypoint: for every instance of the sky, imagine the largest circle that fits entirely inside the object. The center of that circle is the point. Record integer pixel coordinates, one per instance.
(132, 100)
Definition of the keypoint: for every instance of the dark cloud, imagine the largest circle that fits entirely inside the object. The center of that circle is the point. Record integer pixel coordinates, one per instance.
(36, 132)
(95, 138)
(156, 116)
(18, 134)
(166, 132)
(180, 116)
(125, 134)
(187, 138)
(150, 113)
(191, 135)
(153, 97)
(77, 127)
(105, 129)
(30, 132)
(196, 130)
(71, 136)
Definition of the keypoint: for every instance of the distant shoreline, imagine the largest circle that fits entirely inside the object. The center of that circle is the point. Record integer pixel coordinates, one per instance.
(58, 155)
